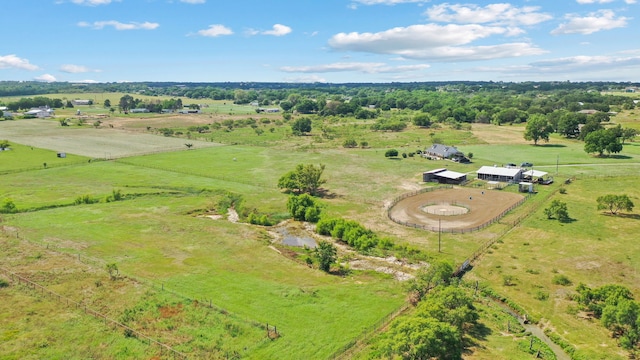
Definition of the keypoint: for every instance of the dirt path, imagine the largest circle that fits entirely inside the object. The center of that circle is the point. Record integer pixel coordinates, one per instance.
(535, 331)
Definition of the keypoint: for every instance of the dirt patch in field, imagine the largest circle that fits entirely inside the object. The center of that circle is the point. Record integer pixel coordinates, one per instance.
(170, 311)
(491, 134)
(482, 206)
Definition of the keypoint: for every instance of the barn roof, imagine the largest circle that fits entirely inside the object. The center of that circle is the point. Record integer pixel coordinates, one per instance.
(451, 174)
(499, 171)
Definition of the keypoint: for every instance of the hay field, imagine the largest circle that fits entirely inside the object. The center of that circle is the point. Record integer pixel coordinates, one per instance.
(90, 142)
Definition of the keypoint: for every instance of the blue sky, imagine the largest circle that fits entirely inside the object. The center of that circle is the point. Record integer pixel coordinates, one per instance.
(333, 41)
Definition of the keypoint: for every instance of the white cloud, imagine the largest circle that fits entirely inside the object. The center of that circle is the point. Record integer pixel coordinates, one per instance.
(215, 31)
(74, 69)
(434, 42)
(193, 1)
(278, 30)
(609, 68)
(120, 26)
(593, 1)
(92, 2)
(14, 62)
(594, 22)
(603, 1)
(492, 13)
(45, 78)
(363, 67)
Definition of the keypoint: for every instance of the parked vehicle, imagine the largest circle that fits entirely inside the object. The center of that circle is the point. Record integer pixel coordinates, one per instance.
(526, 164)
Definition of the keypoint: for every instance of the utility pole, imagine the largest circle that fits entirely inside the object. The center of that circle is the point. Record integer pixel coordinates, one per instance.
(439, 234)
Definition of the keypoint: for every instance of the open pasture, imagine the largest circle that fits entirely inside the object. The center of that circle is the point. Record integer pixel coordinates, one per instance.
(594, 248)
(155, 238)
(90, 142)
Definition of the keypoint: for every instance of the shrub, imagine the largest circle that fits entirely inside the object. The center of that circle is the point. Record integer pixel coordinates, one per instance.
(85, 199)
(541, 295)
(350, 143)
(561, 280)
(391, 153)
(8, 207)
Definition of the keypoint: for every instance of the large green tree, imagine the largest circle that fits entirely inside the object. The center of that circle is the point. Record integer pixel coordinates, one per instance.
(304, 207)
(435, 330)
(303, 179)
(602, 140)
(325, 254)
(614, 203)
(538, 128)
(126, 103)
(557, 210)
(301, 126)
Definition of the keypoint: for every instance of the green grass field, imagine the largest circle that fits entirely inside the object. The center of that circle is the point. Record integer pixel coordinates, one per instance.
(158, 242)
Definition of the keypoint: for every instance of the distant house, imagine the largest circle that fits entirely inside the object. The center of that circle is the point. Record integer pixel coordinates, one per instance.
(189, 111)
(254, 103)
(269, 110)
(81, 102)
(139, 110)
(444, 176)
(443, 152)
(502, 174)
(41, 112)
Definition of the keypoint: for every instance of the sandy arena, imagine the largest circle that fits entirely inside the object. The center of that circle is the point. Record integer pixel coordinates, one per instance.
(457, 208)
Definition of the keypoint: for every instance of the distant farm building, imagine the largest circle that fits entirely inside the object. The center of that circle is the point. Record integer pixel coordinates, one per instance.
(502, 174)
(41, 112)
(139, 110)
(269, 110)
(444, 176)
(189, 111)
(81, 102)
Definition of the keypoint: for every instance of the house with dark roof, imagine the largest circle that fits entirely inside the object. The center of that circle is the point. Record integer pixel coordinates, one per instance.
(443, 152)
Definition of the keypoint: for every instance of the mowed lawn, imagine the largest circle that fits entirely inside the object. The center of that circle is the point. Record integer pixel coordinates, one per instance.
(595, 248)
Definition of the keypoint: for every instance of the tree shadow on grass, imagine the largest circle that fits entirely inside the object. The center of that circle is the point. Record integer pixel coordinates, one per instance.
(476, 334)
(613, 156)
(623, 215)
(326, 194)
(550, 145)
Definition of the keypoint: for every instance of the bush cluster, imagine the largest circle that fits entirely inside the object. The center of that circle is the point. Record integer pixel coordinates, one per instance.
(352, 233)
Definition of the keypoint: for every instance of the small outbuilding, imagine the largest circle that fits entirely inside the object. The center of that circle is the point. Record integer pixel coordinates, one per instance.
(502, 174)
(444, 176)
(525, 186)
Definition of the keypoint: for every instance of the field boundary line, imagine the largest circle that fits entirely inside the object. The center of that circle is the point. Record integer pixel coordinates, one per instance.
(99, 263)
(13, 277)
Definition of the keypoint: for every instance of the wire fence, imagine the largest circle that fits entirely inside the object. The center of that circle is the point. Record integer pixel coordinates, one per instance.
(272, 332)
(20, 280)
(344, 352)
(484, 247)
